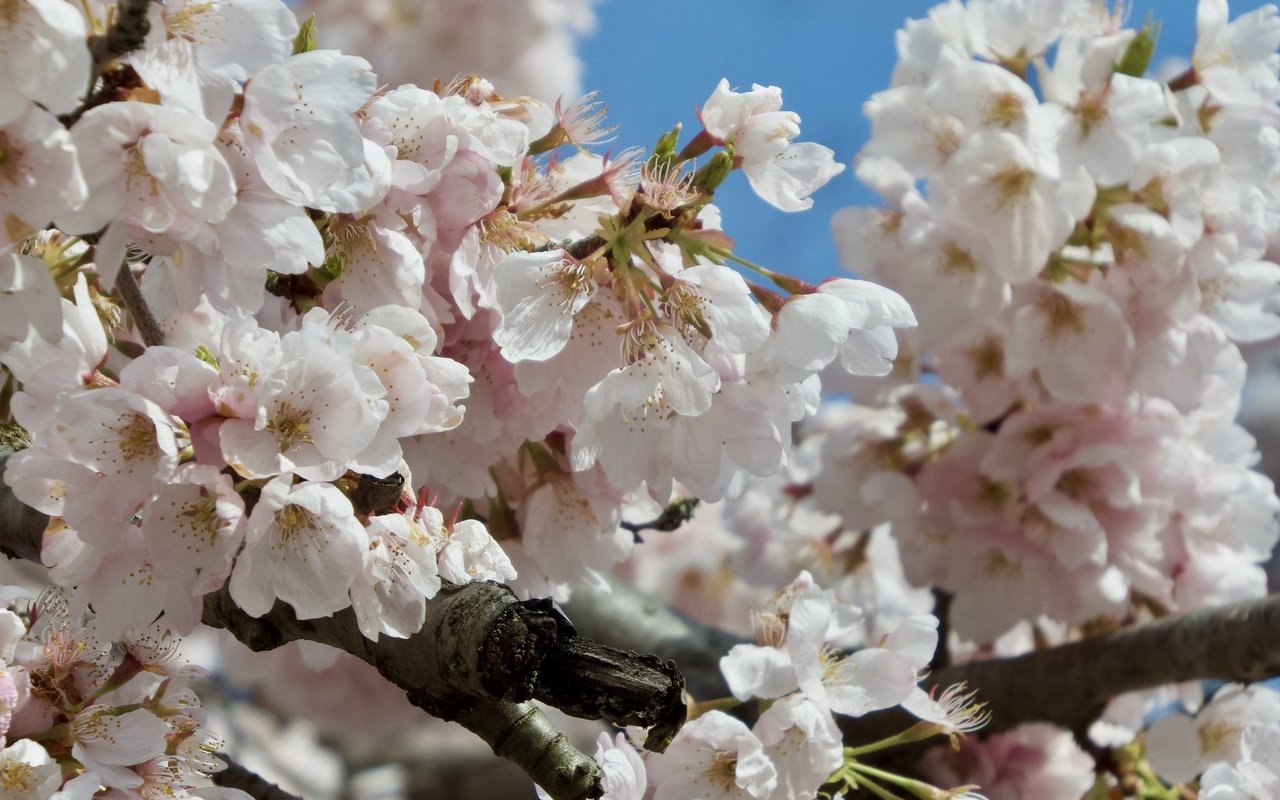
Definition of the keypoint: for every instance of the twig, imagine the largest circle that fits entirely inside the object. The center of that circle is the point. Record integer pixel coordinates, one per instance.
(236, 776)
(131, 296)
(522, 734)
(674, 514)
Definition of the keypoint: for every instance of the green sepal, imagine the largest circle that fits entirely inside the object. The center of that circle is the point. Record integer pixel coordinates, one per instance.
(305, 41)
(709, 177)
(1137, 56)
(664, 152)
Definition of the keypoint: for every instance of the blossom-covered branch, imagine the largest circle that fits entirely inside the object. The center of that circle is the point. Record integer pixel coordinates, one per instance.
(1068, 684)
(479, 656)
(480, 644)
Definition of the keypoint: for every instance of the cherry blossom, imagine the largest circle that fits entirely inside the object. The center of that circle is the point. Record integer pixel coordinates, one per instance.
(539, 295)
(802, 740)
(713, 757)
(1031, 760)
(625, 776)
(29, 772)
(41, 179)
(43, 48)
(299, 131)
(1237, 60)
(303, 545)
(400, 575)
(781, 172)
(197, 52)
(1254, 776)
(852, 319)
(153, 168)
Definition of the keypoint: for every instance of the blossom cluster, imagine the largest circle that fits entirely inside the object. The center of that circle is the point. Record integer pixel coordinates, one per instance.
(271, 327)
(81, 712)
(1086, 247)
(525, 47)
(1230, 743)
(395, 287)
(400, 293)
(801, 670)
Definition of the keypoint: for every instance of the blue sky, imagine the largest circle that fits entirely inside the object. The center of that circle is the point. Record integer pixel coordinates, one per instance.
(655, 61)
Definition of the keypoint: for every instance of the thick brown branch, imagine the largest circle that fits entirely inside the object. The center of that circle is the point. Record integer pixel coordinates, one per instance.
(479, 643)
(1071, 683)
(480, 656)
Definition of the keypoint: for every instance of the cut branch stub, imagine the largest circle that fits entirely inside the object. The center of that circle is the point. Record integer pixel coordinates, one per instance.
(481, 654)
(480, 642)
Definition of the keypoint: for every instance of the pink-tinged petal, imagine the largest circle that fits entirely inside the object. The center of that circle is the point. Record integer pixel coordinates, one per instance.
(539, 295)
(753, 671)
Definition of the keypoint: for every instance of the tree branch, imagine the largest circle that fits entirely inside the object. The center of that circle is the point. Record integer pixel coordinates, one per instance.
(236, 776)
(480, 644)
(628, 618)
(1068, 685)
(127, 32)
(480, 656)
(131, 296)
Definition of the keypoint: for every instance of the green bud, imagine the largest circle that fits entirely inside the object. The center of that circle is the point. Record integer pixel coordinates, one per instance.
(305, 41)
(1137, 56)
(664, 152)
(709, 177)
(705, 242)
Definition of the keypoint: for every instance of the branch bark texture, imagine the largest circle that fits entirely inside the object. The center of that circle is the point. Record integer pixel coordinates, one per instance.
(1071, 683)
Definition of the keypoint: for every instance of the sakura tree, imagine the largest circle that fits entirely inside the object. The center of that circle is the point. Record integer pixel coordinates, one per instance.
(429, 379)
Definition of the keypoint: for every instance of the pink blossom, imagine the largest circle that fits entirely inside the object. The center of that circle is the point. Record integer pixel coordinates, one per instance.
(781, 172)
(303, 545)
(714, 757)
(1034, 760)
